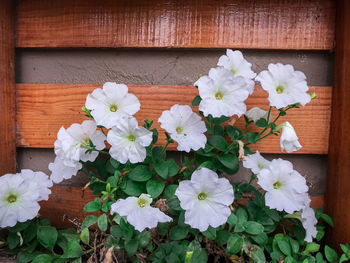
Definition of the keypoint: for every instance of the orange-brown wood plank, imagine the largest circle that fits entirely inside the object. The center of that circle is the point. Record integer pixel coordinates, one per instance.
(338, 179)
(264, 24)
(65, 205)
(43, 108)
(7, 88)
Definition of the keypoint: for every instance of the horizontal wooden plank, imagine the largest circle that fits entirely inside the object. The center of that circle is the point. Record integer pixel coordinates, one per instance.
(265, 24)
(43, 108)
(65, 205)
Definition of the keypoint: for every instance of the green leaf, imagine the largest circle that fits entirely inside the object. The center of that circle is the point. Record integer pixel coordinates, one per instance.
(260, 239)
(131, 247)
(73, 250)
(327, 219)
(234, 133)
(173, 168)
(230, 161)
(222, 236)
(30, 233)
(140, 173)
(43, 258)
(217, 120)
(133, 188)
(262, 123)
(92, 206)
(144, 238)
(207, 164)
(331, 254)
(155, 188)
(251, 137)
(210, 233)
(218, 142)
(311, 247)
(284, 246)
(85, 236)
(24, 256)
(234, 244)
(258, 254)
(89, 221)
(178, 232)
(47, 236)
(13, 240)
(166, 168)
(169, 191)
(253, 228)
(116, 231)
(102, 222)
(343, 258)
(232, 220)
(196, 101)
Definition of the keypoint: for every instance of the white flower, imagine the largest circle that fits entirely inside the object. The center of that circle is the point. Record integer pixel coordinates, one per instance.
(41, 179)
(222, 94)
(18, 199)
(284, 85)
(139, 213)
(289, 139)
(60, 171)
(309, 222)
(110, 104)
(256, 114)
(71, 144)
(185, 127)
(235, 62)
(205, 199)
(255, 162)
(128, 141)
(285, 188)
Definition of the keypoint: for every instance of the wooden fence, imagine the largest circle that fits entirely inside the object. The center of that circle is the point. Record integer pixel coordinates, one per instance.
(31, 114)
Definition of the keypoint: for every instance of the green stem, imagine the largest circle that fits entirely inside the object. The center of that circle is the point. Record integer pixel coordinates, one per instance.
(103, 132)
(93, 249)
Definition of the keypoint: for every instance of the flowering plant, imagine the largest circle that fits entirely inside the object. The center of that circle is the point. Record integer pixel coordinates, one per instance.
(151, 208)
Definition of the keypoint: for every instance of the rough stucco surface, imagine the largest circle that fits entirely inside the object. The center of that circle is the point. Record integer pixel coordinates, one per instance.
(174, 67)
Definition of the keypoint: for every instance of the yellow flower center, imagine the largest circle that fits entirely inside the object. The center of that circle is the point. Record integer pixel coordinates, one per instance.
(131, 137)
(202, 196)
(113, 108)
(87, 140)
(142, 202)
(218, 95)
(234, 72)
(261, 165)
(11, 198)
(279, 89)
(277, 185)
(179, 130)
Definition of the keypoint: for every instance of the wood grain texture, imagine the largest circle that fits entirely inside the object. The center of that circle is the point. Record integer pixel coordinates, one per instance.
(65, 205)
(7, 88)
(43, 108)
(338, 179)
(264, 24)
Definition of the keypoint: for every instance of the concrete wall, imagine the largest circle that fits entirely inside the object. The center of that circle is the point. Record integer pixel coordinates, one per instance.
(178, 67)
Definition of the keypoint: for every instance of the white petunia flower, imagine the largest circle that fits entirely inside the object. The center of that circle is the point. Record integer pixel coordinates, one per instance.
(284, 85)
(289, 139)
(60, 171)
(255, 162)
(41, 179)
(235, 62)
(222, 94)
(139, 213)
(205, 199)
(128, 141)
(256, 114)
(71, 144)
(285, 188)
(185, 127)
(18, 199)
(111, 103)
(309, 222)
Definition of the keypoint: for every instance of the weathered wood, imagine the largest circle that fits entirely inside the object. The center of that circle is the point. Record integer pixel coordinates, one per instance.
(264, 24)
(338, 180)
(7, 88)
(43, 108)
(65, 205)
